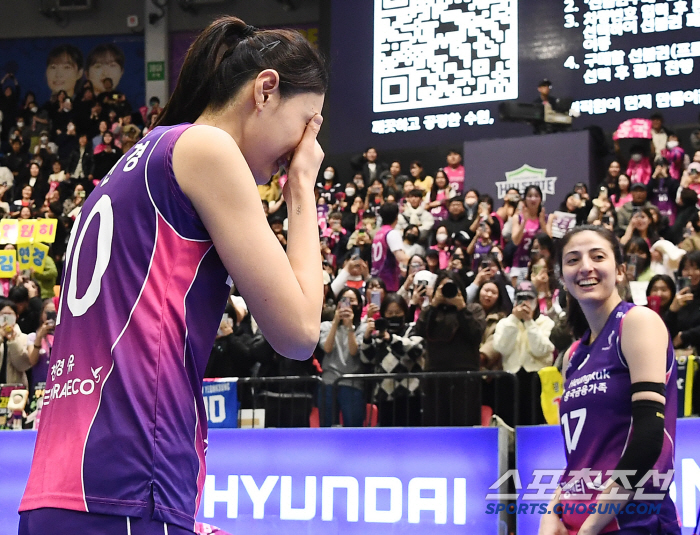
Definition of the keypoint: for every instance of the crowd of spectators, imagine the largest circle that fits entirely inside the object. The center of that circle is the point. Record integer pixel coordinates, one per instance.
(422, 273)
(53, 154)
(392, 241)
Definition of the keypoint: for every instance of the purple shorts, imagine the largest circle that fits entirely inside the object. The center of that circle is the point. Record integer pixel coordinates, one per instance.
(49, 521)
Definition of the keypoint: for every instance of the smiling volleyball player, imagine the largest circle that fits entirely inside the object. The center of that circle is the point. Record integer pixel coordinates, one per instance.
(619, 407)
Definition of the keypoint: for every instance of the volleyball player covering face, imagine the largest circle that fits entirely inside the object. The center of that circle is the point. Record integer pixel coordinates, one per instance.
(619, 407)
(123, 429)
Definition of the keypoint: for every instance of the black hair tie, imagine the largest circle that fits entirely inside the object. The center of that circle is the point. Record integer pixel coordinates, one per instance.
(249, 30)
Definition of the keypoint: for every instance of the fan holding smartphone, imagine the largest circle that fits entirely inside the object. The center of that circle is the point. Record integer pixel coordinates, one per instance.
(14, 360)
(40, 344)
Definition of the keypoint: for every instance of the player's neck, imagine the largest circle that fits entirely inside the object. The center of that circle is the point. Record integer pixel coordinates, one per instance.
(597, 314)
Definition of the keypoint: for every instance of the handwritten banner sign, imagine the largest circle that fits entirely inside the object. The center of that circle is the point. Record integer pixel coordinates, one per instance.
(39, 253)
(8, 230)
(24, 254)
(8, 264)
(45, 231)
(26, 231)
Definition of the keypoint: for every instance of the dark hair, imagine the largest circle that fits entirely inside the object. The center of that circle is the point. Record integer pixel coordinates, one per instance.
(72, 52)
(485, 197)
(575, 317)
(393, 297)
(376, 280)
(641, 245)
(335, 172)
(454, 277)
(668, 281)
(544, 241)
(473, 190)
(105, 49)
(18, 294)
(539, 192)
(652, 232)
(454, 151)
(228, 54)
(5, 302)
(549, 264)
(693, 257)
(694, 220)
(689, 197)
(389, 212)
(503, 304)
(417, 163)
(356, 318)
(411, 227)
(434, 187)
(656, 115)
(416, 192)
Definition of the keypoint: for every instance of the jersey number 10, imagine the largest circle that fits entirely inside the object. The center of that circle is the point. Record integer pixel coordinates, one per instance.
(80, 305)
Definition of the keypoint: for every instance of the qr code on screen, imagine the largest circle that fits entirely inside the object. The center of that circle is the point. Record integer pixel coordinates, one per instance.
(431, 53)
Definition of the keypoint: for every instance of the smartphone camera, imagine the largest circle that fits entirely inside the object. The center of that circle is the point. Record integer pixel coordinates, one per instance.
(683, 282)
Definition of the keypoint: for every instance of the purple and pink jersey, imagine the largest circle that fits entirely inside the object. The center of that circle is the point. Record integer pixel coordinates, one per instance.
(123, 423)
(521, 257)
(384, 264)
(596, 419)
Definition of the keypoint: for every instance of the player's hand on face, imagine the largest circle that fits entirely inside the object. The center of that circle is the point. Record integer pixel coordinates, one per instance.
(308, 155)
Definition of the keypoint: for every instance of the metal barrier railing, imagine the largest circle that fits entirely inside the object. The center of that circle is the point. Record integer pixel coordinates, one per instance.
(440, 398)
(286, 401)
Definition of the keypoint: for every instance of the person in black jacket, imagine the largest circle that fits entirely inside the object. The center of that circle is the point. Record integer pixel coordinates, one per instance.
(80, 166)
(683, 316)
(453, 330)
(104, 161)
(28, 308)
(368, 164)
(457, 221)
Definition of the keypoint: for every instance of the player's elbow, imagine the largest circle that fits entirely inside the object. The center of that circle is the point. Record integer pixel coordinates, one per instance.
(300, 345)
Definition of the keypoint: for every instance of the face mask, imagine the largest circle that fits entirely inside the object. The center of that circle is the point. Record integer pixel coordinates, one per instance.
(34, 109)
(412, 238)
(637, 157)
(350, 192)
(441, 238)
(44, 139)
(470, 201)
(328, 175)
(672, 144)
(20, 124)
(358, 182)
(395, 324)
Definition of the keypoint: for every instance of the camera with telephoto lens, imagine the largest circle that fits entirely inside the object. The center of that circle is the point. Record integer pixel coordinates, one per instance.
(381, 325)
(449, 289)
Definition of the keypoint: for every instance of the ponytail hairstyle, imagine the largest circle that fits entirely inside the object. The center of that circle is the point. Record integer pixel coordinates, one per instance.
(228, 54)
(575, 317)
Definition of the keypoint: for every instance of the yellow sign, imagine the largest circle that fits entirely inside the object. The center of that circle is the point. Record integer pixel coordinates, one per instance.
(8, 230)
(8, 264)
(24, 255)
(39, 254)
(26, 231)
(45, 230)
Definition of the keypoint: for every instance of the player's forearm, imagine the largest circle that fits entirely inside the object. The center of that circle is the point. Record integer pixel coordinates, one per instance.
(303, 249)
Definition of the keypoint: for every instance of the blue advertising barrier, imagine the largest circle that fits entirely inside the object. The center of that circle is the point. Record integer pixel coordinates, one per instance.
(324, 481)
(221, 402)
(542, 448)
